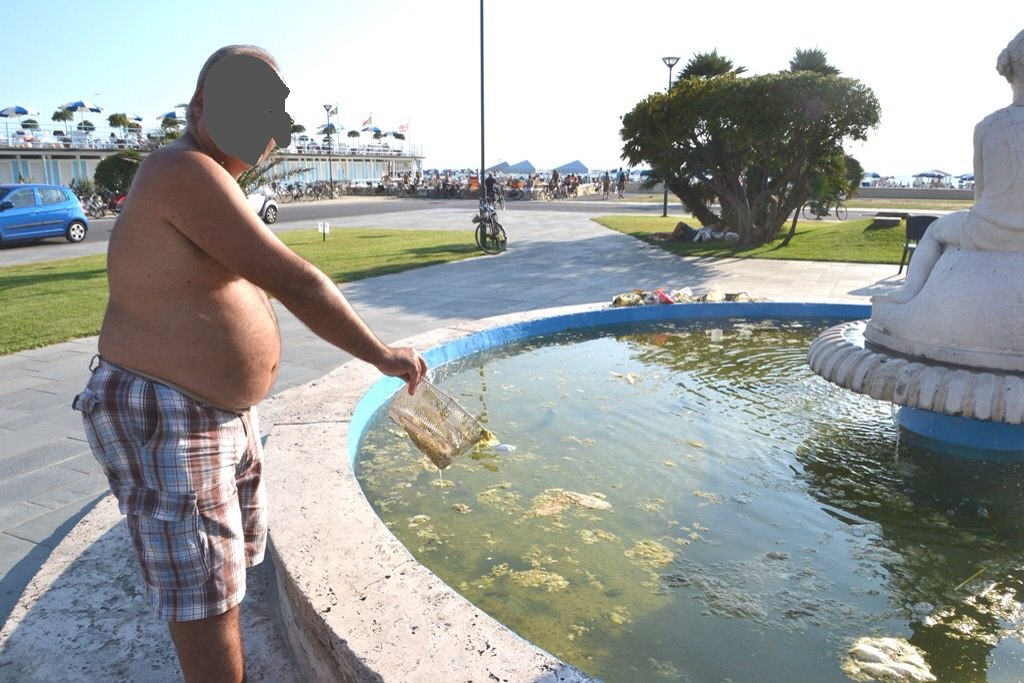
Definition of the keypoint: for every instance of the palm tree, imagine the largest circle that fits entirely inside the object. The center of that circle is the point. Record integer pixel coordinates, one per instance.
(267, 173)
(298, 128)
(63, 115)
(86, 126)
(30, 124)
(708, 65)
(119, 121)
(812, 60)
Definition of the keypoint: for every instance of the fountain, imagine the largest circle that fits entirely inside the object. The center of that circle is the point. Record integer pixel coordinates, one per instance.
(949, 345)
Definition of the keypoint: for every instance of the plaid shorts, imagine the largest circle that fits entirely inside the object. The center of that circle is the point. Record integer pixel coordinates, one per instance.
(188, 478)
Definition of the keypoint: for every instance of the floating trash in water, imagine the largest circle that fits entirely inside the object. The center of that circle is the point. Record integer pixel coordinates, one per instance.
(887, 659)
(553, 501)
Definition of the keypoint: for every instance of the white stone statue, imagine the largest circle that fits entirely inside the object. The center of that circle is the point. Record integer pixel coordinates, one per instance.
(962, 303)
(996, 221)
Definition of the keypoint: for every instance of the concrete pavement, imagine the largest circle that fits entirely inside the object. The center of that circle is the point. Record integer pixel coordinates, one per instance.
(49, 481)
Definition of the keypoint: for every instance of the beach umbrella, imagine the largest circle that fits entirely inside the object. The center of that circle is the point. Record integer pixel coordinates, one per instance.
(15, 111)
(371, 129)
(81, 106)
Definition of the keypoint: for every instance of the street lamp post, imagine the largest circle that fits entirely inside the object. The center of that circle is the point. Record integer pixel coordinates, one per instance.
(669, 62)
(480, 176)
(330, 172)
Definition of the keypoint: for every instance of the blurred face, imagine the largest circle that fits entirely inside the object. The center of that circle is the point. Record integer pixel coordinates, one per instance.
(244, 108)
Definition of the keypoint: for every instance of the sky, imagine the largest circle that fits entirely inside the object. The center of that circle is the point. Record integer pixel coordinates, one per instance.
(558, 76)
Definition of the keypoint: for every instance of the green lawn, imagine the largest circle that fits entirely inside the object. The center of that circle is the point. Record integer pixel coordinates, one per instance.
(856, 241)
(54, 301)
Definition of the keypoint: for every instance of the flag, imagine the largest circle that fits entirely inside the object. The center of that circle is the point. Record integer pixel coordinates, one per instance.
(403, 128)
(333, 111)
(369, 120)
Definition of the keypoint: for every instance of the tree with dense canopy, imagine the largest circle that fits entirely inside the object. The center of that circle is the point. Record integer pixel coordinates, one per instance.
(760, 146)
(116, 172)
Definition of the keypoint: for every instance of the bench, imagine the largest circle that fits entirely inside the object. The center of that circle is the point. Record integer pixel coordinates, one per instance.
(890, 218)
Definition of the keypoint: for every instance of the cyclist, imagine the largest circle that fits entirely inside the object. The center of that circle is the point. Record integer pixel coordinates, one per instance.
(553, 184)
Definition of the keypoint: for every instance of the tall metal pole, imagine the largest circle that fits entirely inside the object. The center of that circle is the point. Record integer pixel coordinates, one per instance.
(330, 172)
(480, 175)
(669, 62)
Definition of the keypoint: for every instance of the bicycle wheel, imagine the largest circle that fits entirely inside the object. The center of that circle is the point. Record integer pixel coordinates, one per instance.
(841, 212)
(490, 237)
(809, 214)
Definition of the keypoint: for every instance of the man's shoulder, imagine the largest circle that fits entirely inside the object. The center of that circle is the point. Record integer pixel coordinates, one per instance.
(175, 157)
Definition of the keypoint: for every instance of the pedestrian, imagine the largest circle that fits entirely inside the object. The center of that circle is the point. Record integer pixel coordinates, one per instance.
(606, 184)
(620, 183)
(189, 343)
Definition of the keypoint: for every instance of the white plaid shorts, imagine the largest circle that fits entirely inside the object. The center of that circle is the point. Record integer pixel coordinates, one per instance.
(188, 477)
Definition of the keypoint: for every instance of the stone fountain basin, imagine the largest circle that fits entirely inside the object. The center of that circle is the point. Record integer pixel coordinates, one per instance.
(356, 604)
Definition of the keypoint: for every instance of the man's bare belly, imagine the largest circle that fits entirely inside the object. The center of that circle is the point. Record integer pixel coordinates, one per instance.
(223, 349)
(176, 315)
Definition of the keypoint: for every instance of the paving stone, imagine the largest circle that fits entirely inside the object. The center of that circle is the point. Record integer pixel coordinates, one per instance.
(48, 529)
(53, 453)
(13, 513)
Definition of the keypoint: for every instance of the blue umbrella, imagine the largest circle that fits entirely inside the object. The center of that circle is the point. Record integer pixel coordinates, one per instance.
(372, 129)
(14, 111)
(172, 115)
(8, 112)
(81, 106)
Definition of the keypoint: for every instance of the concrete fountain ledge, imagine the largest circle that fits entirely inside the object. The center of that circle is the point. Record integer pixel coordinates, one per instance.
(356, 605)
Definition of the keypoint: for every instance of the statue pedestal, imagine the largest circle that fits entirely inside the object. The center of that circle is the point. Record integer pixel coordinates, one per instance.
(970, 314)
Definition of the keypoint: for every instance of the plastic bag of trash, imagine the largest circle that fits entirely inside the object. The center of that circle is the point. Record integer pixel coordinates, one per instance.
(438, 426)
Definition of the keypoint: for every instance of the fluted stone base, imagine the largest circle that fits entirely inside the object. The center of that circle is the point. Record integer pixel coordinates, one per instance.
(839, 355)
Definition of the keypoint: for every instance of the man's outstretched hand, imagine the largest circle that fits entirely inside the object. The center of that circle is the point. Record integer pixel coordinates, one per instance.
(404, 362)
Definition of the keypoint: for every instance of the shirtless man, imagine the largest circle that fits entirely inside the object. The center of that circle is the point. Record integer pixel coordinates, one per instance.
(190, 342)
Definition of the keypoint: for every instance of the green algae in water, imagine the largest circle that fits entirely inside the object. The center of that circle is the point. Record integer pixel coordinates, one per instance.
(694, 504)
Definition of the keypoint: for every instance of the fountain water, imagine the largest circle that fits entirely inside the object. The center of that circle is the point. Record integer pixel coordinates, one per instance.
(949, 345)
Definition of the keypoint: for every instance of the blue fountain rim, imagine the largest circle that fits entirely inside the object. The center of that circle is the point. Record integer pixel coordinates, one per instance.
(501, 334)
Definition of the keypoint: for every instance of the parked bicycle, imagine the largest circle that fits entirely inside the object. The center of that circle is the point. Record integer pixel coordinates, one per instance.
(95, 206)
(490, 236)
(816, 209)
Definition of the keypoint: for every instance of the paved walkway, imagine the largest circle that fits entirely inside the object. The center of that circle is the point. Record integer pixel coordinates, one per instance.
(49, 481)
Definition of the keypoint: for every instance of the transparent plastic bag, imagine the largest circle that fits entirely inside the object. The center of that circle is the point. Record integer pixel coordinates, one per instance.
(438, 426)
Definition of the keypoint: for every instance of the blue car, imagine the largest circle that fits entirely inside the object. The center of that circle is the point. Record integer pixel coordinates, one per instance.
(31, 212)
